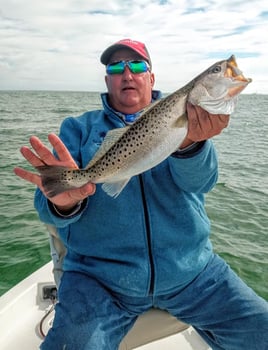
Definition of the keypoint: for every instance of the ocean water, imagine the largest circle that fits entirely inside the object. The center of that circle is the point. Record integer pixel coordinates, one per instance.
(237, 206)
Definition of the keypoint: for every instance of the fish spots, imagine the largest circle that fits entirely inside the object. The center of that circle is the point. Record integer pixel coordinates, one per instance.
(123, 151)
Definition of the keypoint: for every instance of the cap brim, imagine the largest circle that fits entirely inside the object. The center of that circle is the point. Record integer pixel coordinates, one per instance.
(106, 55)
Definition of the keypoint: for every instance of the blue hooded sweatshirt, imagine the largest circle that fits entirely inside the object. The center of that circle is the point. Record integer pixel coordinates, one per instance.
(154, 237)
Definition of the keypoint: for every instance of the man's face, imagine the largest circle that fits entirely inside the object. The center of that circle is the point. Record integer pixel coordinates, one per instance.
(129, 92)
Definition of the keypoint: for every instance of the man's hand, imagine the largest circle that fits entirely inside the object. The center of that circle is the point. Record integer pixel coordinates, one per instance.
(43, 156)
(203, 125)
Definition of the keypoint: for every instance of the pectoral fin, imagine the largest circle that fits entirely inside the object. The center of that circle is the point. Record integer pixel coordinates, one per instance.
(113, 189)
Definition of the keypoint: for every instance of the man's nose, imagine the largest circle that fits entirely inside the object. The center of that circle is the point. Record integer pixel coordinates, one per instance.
(127, 74)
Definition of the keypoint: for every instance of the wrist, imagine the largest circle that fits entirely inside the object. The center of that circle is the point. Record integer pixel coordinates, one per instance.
(189, 151)
(67, 211)
(186, 143)
(66, 208)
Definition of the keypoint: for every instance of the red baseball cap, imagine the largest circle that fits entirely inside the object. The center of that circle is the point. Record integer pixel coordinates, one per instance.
(134, 45)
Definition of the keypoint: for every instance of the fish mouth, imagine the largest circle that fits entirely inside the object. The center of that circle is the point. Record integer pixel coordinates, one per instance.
(237, 77)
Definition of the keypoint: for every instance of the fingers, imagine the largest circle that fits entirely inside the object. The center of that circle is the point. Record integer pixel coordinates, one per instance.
(31, 157)
(204, 125)
(218, 123)
(82, 192)
(65, 199)
(224, 118)
(44, 154)
(41, 154)
(68, 199)
(61, 150)
(28, 176)
(197, 123)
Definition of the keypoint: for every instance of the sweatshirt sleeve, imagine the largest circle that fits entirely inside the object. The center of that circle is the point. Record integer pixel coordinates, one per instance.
(197, 171)
(49, 216)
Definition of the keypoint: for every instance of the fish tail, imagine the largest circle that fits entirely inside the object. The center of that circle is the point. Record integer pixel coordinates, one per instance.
(55, 180)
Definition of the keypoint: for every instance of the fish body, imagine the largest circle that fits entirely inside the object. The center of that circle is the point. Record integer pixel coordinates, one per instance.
(155, 135)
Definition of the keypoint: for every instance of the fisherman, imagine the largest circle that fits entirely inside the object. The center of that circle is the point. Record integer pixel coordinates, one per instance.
(150, 246)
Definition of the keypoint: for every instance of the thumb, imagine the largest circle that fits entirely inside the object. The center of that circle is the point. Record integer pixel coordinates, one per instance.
(78, 194)
(87, 190)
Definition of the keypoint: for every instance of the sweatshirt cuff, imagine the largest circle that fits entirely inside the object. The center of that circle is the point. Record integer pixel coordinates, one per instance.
(189, 151)
(73, 212)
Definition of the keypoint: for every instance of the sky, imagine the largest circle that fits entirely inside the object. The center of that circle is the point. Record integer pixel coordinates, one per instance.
(56, 45)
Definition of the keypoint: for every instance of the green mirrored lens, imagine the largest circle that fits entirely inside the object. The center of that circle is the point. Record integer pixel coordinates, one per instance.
(116, 68)
(137, 66)
(134, 66)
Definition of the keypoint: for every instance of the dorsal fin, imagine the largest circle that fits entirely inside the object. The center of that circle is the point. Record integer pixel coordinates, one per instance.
(114, 135)
(110, 139)
(150, 106)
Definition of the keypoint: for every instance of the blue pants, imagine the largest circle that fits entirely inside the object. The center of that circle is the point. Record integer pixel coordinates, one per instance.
(224, 311)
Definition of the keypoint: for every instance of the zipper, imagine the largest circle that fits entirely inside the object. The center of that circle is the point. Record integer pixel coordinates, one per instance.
(148, 235)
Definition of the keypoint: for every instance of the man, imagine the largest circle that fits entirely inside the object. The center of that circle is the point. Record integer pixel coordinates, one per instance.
(150, 246)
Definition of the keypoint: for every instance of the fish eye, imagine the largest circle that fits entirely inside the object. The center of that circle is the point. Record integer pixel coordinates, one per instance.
(216, 69)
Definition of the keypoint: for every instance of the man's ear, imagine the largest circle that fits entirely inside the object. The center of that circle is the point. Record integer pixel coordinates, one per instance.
(152, 77)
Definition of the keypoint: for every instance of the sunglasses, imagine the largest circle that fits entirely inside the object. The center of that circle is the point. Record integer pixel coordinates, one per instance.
(135, 66)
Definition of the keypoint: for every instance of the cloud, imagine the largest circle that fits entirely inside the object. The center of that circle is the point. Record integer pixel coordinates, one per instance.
(57, 44)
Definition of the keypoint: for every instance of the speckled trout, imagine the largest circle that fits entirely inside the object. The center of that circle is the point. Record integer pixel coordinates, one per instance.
(154, 136)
